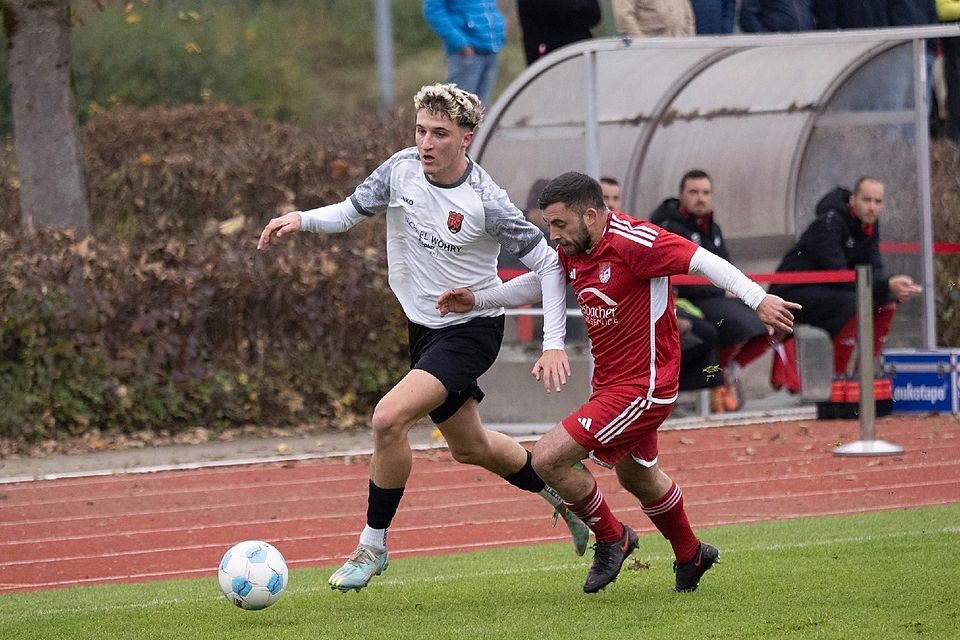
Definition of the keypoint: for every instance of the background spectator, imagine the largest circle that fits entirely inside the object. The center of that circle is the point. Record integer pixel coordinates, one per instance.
(850, 14)
(473, 32)
(551, 24)
(611, 192)
(647, 18)
(741, 337)
(844, 234)
(698, 348)
(714, 17)
(949, 11)
(771, 16)
(910, 13)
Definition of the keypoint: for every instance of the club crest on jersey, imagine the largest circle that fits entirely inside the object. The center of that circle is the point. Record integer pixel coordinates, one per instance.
(454, 221)
(605, 272)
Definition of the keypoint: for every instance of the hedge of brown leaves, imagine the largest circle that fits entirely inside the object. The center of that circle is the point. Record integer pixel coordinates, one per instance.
(168, 317)
(184, 333)
(945, 194)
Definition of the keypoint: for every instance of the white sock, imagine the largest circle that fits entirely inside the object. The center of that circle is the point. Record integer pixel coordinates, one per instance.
(374, 538)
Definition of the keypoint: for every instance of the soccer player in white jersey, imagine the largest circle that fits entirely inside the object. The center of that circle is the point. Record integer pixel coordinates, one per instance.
(447, 221)
(619, 267)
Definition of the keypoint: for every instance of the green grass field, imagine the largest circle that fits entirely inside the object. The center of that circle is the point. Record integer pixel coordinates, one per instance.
(880, 575)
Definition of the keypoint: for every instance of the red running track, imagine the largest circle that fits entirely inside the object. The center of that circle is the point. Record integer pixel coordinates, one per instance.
(177, 524)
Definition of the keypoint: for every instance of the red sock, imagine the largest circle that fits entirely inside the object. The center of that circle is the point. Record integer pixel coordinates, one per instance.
(753, 349)
(843, 344)
(882, 319)
(668, 515)
(595, 512)
(725, 355)
(784, 371)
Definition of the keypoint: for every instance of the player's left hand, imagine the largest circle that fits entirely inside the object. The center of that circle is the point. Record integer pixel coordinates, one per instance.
(553, 368)
(457, 300)
(774, 312)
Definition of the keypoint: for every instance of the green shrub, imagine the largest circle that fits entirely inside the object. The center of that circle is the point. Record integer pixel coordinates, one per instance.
(300, 61)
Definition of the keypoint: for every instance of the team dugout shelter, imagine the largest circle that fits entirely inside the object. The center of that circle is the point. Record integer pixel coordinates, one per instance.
(776, 120)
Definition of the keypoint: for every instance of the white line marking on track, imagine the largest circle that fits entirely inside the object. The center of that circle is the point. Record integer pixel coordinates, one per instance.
(412, 491)
(440, 527)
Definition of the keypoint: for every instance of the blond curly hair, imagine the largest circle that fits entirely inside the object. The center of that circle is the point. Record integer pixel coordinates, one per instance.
(461, 107)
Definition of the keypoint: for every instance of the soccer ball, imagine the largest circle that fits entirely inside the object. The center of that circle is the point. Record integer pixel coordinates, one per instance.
(253, 575)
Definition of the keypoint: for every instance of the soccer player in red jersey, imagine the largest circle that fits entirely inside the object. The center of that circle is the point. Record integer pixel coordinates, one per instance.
(619, 267)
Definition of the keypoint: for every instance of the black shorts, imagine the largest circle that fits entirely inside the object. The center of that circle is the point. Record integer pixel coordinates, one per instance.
(456, 356)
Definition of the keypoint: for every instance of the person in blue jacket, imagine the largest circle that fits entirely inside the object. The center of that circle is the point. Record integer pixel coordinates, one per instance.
(473, 32)
(714, 17)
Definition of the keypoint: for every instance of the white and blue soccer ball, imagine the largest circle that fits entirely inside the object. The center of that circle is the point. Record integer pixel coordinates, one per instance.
(253, 575)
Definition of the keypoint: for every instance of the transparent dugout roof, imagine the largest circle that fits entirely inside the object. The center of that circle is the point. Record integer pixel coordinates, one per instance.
(777, 121)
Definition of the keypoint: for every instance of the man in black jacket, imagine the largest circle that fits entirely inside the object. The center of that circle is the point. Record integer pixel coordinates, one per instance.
(844, 234)
(776, 16)
(851, 14)
(551, 24)
(741, 337)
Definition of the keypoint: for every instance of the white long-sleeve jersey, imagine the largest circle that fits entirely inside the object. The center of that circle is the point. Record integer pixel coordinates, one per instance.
(445, 236)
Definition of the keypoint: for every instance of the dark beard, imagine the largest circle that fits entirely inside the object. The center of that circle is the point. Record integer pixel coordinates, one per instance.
(580, 243)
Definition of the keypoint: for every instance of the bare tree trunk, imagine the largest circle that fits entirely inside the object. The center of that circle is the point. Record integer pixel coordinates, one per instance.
(46, 135)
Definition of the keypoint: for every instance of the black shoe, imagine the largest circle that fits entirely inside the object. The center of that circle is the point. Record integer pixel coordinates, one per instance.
(608, 557)
(689, 573)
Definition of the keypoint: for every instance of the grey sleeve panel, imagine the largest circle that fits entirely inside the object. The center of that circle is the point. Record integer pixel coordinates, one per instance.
(372, 196)
(359, 207)
(504, 221)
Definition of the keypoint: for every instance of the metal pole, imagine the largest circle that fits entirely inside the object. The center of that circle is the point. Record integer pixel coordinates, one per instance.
(383, 37)
(867, 445)
(591, 117)
(868, 408)
(921, 109)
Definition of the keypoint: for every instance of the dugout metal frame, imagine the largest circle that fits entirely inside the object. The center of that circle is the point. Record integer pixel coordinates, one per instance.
(777, 120)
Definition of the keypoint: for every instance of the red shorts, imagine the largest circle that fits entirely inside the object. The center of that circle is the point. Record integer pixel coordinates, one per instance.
(616, 422)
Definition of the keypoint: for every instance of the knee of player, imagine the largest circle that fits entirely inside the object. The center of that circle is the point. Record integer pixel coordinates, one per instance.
(387, 422)
(470, 454)
(544, 464)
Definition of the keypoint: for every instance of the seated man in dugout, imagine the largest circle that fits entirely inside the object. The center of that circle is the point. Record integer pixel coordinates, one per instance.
(698, 348)
(844, 234)
(741, 337)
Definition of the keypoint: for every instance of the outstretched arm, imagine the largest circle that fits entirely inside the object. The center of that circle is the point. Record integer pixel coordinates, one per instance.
(520, 291)
(553, 367)
(772, 310)
(334, 218)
